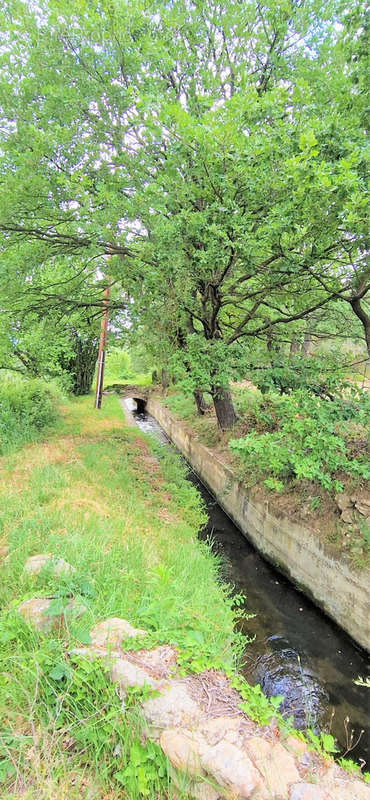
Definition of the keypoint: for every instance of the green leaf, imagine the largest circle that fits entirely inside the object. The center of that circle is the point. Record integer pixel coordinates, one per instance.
(59, 672)
(307, 140)
(328, 743)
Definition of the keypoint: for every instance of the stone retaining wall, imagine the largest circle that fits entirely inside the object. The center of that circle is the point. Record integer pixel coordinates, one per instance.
(294, 549)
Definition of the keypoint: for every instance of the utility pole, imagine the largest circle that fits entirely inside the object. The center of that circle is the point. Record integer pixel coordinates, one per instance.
(101, 355)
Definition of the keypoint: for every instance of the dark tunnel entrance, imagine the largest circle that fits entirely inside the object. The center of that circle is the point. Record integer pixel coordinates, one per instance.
(140, 405)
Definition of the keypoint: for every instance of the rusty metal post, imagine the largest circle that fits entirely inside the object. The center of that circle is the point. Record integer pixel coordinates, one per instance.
(101, 355)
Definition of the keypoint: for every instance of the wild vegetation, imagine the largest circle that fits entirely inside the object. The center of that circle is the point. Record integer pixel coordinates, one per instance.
(85, 493)
(26, 408)
(298, 437)
(301, 451)
(206, 162)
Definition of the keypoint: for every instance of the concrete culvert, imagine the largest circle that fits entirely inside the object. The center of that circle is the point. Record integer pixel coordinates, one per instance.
(140, 404)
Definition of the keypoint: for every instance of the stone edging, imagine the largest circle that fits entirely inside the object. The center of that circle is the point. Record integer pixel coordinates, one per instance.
(293, 548)
(197, 720)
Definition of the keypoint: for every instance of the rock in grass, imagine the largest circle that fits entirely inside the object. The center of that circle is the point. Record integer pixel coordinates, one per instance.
(182, 749)
(106, 639)
(275, 764)
(295, 745)
(173, 707)
(128, 674)
(198, 789)
(58, 566)
(218, 728)
(111, 632)
(232, 769)
(348, 516)
(343, 501)
(341, 786)
(203, 791)
(43, 612)
(152, 668)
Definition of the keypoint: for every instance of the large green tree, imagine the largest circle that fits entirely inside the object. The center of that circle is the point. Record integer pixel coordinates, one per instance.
(44, 331)
(254, 214)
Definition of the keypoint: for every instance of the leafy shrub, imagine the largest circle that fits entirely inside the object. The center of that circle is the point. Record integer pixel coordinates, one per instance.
(26, 407)
(323, 375)
(304, 437)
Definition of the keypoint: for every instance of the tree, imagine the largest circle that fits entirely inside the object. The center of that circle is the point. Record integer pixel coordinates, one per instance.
(80, 364)
(247, 215)
(48, 340)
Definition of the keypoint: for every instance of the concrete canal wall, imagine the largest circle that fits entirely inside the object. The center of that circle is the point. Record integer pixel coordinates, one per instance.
(343, 593)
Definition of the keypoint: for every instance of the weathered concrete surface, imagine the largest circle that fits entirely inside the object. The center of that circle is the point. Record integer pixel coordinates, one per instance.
(130, 419)
(295, 549)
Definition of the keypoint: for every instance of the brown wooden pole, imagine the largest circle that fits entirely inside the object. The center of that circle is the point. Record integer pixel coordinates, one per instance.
(101, 355)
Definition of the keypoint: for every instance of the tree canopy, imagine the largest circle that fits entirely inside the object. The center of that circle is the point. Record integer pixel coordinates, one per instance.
(215, 151)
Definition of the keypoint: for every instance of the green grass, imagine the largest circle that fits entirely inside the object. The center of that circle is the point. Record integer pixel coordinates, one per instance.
(90, 493)
(136, 379)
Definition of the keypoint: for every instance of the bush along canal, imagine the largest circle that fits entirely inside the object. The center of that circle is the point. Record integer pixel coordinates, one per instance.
(297, 651)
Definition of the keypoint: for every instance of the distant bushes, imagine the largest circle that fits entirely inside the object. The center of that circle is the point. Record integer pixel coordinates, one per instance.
(119, 369)
(118, 364)
(26, 407)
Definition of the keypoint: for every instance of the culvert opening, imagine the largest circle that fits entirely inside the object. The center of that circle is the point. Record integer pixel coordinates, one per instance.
(140, 405)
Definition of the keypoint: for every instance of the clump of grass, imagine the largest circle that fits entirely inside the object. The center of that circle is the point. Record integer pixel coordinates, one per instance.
(181, 404)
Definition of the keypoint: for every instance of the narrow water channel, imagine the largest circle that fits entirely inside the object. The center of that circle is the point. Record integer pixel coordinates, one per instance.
(297, 650)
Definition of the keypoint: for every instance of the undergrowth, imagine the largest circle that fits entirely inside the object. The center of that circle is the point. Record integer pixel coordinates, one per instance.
(93, 494)
(300, 451)
(27, 406)
(299, 436)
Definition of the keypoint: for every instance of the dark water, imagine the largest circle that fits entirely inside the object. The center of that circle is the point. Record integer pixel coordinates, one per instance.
(297, 650)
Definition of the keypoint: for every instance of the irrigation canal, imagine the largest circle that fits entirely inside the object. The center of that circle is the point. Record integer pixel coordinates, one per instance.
(297, 651)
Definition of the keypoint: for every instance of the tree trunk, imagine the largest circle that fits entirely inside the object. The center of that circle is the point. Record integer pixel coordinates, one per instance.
(364, 318)
(164, 380)
(306, 344)
(81, 365)
(224, 408)
(294, 347)
(200, 402)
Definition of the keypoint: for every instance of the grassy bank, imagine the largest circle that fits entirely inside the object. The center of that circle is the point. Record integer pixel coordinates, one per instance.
(307, 456)
(91, 492)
